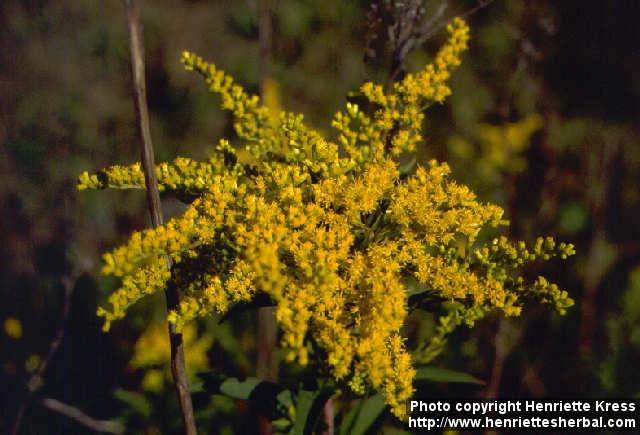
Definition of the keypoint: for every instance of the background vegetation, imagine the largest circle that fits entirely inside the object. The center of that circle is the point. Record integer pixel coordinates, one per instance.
(543, 121)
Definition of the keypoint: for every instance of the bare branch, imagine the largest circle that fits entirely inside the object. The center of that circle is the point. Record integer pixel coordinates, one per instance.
(153, 199)
(408, 31)
(426, 29)
(435, 29)
(102, 426)
(36, 380)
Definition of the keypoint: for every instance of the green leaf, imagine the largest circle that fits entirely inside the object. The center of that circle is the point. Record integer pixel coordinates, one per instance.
(360, 418)
(284, 398)
(408, 167)
(308, 407)
(237, 389)
(263, 395)
(137, 402)
(281, 424)
(438, 374)
(572, 218)
(413, 287)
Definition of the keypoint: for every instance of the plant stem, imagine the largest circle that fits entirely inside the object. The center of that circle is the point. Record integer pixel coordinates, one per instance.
(153, 199)
(267, 362)
(328, 416)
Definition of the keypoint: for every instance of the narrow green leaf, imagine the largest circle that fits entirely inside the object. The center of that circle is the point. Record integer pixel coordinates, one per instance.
(360, 418)
(347, 421)
(281, 424)
(308, 407)
(304, 404)
(137, 402)
(408, 167)
(438, 374)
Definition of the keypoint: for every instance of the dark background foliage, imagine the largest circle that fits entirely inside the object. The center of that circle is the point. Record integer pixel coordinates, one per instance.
(66, 107)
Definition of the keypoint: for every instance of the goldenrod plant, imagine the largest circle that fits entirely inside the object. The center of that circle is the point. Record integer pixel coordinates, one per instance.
(335, 232)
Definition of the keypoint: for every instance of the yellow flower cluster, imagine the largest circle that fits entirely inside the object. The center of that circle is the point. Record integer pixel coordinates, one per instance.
(185, 177)
(501, 147)
(145, 281)
(152, 353)
(397, 125)
(13, 328)
(330, 231)
(430, 83)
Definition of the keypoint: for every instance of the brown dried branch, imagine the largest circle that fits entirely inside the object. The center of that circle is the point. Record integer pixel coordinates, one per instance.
(267, 361)
(153, 198)
(102, 426)
(410, 29)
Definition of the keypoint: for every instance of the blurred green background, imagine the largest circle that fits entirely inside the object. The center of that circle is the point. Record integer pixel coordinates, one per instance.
(543, 120)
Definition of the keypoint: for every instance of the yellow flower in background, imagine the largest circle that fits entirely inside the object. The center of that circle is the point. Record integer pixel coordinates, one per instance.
(32, 363)
(501, 147)
(13, 328)
(152, 353)
(154, 380)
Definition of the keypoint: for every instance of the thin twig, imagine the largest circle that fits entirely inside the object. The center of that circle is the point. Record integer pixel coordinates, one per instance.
(600, 166)
(426, 29)
(406, 33)
(402, 34)
(102, 426)
(466, 14)
(153, 198)
(507, 337)
(36, 380)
